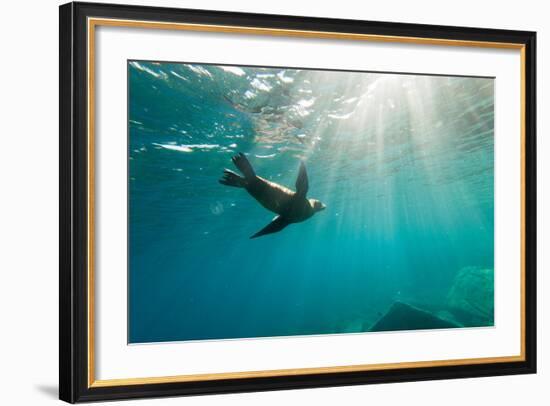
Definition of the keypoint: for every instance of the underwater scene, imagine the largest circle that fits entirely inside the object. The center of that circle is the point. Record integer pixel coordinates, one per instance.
(268, 202)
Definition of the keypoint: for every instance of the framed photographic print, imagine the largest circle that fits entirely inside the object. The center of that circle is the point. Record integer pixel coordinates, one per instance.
(256, 202)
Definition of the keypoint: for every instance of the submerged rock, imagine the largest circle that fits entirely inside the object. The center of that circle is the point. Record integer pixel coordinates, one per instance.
(471, 298)
(402, 316)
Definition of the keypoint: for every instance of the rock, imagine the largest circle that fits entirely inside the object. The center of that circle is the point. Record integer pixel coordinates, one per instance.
(471, 297)
(446, 315)
(402, 316)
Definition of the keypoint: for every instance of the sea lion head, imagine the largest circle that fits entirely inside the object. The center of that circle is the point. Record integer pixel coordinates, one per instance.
(317, 205)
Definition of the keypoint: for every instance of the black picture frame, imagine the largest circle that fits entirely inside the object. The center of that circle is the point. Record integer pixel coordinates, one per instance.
(74, 384)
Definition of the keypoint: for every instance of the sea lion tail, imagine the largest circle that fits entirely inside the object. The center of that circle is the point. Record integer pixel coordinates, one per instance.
(230, 178)
(242, 163)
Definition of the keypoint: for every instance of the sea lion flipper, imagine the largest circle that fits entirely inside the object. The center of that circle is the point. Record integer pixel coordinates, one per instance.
(302, 183)
(242, 163)
(276, 225)
(230, 178)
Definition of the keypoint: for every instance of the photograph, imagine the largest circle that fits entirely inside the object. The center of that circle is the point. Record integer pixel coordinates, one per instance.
(283, 201)
(256, 202)
(247, 203)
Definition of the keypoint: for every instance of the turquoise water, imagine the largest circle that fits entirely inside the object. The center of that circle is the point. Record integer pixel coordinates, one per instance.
(404, 164)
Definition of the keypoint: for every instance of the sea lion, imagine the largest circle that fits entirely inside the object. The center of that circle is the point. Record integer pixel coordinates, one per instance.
(291, 207)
